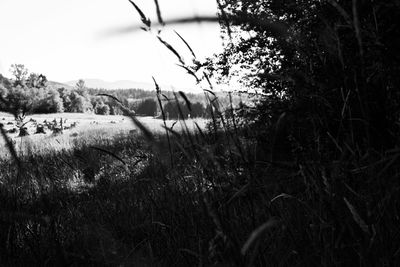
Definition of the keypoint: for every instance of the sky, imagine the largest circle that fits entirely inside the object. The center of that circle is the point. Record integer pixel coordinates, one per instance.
(72, 39)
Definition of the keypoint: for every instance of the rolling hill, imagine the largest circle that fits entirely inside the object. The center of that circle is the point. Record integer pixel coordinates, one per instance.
(122, 84)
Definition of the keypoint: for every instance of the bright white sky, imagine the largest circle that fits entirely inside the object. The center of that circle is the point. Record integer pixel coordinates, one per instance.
(73, 39)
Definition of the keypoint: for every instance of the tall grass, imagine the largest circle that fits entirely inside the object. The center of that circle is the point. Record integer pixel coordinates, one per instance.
(234, 194)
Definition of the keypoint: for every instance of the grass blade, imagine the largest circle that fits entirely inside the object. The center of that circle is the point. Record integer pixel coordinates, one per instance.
(165, 97)
(10, 145)
(186, 43)
(356, 216)
(169, 129)
(199, 129)
(341, 10)
(143, 17)
(158, 10)
(209, 91)
(208, 80)
(167, 45)
(158, 89)
(109, 153)
(188, 104)
(257, 233)
(190, 72)
(111, 96)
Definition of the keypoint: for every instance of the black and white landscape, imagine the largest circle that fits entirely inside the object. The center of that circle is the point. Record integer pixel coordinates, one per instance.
(199, 133)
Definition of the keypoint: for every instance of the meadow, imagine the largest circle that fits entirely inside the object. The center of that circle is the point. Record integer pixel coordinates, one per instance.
(90, 129)
(229, 194)
(105, 197)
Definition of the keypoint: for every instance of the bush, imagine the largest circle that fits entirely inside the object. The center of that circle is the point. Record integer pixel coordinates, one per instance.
(102, 109)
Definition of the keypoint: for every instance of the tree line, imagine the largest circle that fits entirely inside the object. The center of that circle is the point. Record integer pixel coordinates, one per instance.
(32, 93)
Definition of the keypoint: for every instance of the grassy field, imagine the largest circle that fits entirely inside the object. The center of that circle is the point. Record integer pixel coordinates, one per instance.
(209, 198)
(104, 178)
(91, 129)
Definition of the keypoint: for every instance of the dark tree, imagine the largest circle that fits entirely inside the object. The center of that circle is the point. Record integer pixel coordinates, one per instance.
(197, 110)
(335, 59)
(147, 107)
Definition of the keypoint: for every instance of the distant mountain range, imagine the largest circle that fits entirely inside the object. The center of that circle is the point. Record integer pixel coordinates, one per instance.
(123, 84)
(59, 85)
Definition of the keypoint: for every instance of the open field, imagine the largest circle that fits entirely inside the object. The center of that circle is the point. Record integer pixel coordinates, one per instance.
(90, 129)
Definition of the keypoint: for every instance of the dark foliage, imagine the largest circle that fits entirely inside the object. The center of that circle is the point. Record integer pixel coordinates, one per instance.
(330, 108)
(147, 107)
(176, 110)
(335, 60)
